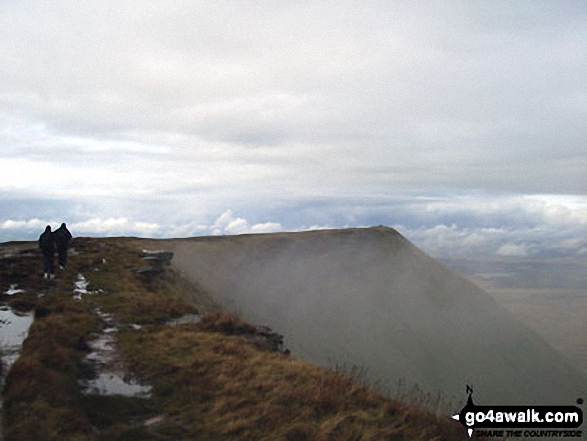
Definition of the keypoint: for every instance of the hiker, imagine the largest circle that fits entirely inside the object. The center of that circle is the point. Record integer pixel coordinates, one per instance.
(47, 246)
(62, 237)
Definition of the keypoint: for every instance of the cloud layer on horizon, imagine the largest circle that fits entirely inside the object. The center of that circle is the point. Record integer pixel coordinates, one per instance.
(466, 226)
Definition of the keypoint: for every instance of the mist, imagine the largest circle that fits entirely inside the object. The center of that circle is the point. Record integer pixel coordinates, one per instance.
(371, 299)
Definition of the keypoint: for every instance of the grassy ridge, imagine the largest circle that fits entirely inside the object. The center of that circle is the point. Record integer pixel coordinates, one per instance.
(208, 382)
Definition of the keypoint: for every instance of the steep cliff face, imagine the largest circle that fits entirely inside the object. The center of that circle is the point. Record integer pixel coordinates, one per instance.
(368, 297)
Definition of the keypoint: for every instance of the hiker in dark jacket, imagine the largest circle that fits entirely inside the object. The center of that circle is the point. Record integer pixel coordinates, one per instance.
(62, 237)
(47, 246)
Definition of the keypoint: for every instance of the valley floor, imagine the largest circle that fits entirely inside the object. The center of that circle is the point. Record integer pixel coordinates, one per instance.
(559, 316)
(548, 295)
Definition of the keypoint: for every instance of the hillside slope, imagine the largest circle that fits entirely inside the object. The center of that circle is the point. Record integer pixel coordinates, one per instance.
(369, 298)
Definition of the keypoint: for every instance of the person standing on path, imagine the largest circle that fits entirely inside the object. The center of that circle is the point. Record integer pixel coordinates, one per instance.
(47, 246)
(62, 237)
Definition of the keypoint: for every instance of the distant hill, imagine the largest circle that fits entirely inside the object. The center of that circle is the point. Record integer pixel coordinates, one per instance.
(370, 298)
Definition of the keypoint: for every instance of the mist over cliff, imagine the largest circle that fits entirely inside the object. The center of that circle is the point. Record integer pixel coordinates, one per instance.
(368, 297)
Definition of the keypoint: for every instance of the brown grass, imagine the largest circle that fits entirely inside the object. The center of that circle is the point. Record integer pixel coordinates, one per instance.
(225, 323)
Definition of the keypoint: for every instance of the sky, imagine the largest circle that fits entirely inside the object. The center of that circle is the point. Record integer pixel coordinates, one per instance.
(461, 124)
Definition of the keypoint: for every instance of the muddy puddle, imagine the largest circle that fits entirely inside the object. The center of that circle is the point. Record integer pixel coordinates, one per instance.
(14, 328)
(108, 375)
(105, 371)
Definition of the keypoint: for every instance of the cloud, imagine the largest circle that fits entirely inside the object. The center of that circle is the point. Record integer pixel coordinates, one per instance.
(267, 227)
(462, 125)
(431, 97)
(512, 250)
(537, 226)
(449, 225)
(226, 223)
(115, 226)
(31, 229)
(28, 225)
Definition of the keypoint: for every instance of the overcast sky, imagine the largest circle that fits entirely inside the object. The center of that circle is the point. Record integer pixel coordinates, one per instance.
(462, 124)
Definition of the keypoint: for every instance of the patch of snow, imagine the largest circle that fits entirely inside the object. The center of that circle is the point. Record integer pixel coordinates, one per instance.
(81, 285)
(81, 288)
(13, 290)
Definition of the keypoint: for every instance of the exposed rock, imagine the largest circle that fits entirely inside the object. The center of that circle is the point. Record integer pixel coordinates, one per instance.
(158, 257)
(146, 270)
(156, 260)
(265, 338)
(184, 319)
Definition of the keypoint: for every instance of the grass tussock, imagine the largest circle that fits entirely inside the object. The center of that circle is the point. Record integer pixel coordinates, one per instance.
(208, 382)
(225, 323)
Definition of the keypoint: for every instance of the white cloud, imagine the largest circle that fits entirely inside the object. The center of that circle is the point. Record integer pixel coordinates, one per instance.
(114, 226)
(103, 227)
(267, 227)
(226, 223)
(220, 224)
(32, 224)
(188, 230)
(480, 225)
(236, 226)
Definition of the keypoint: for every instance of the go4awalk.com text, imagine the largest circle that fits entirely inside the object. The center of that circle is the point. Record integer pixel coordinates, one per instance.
(521, 421)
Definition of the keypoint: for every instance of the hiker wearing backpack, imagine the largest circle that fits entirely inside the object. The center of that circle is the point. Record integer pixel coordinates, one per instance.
(47, 246)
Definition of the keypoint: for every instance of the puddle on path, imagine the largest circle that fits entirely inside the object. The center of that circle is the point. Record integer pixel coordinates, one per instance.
(109, 374)
(110, 383)
(14, 328)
